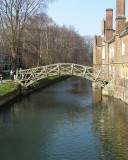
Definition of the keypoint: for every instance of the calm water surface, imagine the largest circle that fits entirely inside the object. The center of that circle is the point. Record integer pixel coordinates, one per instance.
(62, 122)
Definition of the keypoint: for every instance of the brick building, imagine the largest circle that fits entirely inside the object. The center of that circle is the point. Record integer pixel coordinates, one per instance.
(110, 49)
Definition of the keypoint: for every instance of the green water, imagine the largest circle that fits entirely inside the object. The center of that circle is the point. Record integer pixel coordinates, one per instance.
(62, 122)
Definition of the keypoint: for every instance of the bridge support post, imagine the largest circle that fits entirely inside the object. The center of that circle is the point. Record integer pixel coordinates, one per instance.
(72, 67)
(85, 69)
(46, 71)
(16, 77)
(58, 65)
(96, 94)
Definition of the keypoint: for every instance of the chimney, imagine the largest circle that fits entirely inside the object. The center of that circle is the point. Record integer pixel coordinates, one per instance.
(120, 16)
(103, 27)
(109, 24)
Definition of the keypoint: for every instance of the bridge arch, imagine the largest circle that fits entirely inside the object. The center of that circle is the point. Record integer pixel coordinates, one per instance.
(27, 77)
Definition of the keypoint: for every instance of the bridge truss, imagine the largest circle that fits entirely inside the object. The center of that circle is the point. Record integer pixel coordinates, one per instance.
(27, 77)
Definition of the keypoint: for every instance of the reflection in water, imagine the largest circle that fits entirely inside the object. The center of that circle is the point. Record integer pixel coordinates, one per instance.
(96, 95)
(111, 126)
(61, 122)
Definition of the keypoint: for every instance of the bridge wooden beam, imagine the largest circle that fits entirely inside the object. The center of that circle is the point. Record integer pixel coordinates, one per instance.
(98, 75)
(37, 73)
(85, 69)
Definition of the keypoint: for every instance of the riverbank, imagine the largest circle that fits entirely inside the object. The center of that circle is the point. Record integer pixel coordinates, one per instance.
(117, 92)
(9, 90)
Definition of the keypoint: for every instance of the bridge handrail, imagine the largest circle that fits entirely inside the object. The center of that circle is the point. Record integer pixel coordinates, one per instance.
(33, 74)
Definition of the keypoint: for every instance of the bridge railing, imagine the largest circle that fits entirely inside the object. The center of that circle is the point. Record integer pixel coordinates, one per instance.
(29, 76)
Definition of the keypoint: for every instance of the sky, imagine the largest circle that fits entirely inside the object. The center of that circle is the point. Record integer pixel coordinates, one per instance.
(84, 15)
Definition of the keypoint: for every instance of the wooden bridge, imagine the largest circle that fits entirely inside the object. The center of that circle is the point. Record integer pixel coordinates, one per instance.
(27, 77)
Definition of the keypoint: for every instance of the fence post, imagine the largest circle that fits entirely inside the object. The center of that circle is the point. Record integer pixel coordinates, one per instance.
(1, 78)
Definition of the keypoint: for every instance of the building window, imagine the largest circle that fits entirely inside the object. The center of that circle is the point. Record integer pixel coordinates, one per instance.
(126, 71)
(6, 59)
(103, 52)
(123, 48)
(111, 52)
(110, 68)
(122, 71)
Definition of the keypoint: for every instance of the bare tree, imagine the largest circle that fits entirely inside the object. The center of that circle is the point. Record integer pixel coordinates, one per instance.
(88, 41)
(24, 29)
(37, 39)
(14, 16)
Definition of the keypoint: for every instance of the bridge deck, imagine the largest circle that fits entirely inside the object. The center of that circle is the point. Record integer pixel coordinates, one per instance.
(27, 77)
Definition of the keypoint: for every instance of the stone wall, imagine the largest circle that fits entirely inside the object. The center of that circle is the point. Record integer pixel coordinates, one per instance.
(117, 92)
(7, 98)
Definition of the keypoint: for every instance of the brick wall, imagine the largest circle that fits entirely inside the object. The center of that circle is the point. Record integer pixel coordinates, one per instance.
(116, 42)
(120, 7)
(109, 24)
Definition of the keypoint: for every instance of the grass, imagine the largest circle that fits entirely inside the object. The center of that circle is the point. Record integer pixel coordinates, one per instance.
(6, 88)
(9, 87)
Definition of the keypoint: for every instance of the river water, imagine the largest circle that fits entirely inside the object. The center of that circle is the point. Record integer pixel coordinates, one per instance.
(64, 122)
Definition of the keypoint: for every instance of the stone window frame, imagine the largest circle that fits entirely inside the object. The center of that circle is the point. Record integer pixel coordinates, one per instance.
(110, 68)
(103, 52)
(111, 52)
(126, 75)
(123, 48)
(124, 71)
